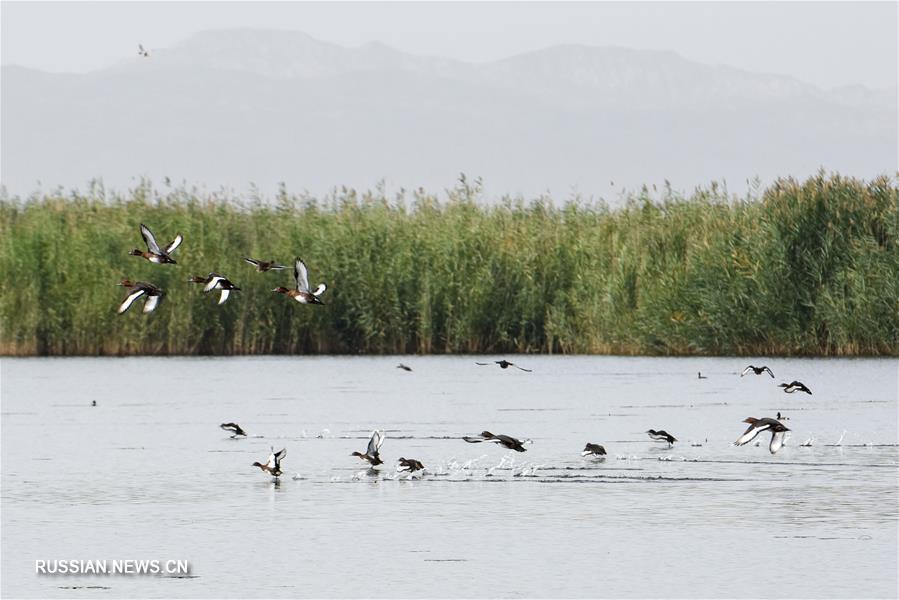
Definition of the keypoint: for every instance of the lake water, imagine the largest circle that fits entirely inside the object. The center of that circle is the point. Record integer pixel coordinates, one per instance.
(148, 474)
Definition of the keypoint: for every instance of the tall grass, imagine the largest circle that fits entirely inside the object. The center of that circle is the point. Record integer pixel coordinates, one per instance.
(806, 268)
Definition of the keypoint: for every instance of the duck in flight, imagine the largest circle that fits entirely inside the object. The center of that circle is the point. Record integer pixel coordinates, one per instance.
(662, 436)
(506, 441)
(504, 364)
(154, 253)
(141, 51)
(215, 281)
(263, 266)
(756, 426)
(234, 428)
(372, 453)
(757, 370)
(593, 450)
(137, 289)
(273, 466)
(302, 294)
(795, 386)
(404, 367)
(409, 465)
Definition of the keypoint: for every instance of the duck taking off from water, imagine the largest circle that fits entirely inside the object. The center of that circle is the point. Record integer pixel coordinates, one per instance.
(263, 266)
(662, 436)
(302, 294)
(593, 450)
(506, 441)
(504, 364)
(154, 253)
(372, 453)
(273, 466)
(215, 281)
(757, 370)
(795, 386)
(137, 289)
(234, 428)
(756, 426)
(410, 465)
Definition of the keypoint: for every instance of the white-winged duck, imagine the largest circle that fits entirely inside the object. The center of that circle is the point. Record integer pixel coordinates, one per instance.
(756, 426)
(302, 294)
(372, 453)
(137, 289)
(795, 386)
(506, 441)
(215, 281)
(504, 364)
(154, 253)
(757, 371)
(593, 450)
(662, 436)
(273, 466)
(234, 428)
(263, 266)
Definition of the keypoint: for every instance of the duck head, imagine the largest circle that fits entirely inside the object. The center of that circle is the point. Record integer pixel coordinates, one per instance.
(281, 290)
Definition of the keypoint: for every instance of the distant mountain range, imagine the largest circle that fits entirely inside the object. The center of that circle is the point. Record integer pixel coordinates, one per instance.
(231, 107)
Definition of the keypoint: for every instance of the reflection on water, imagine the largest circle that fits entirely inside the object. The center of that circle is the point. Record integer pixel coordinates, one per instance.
(148, 474)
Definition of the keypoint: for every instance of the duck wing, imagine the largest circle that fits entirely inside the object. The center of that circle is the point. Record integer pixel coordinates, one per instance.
(777, 441)
(374, 443)
(174, 245)
(301, 274)
(152, 302)
(522, 368)
(770, 372)
(224, 296)
(751, 433)
(149, 239)
(212, 281)
(279, 456)
(746, 370)
(320, 290)
(129, 300)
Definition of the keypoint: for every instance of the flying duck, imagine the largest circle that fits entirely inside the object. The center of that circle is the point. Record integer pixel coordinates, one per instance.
(506, 441)
(409, 464)
(404, 367)
(662, 436)
(263, 266)
(756, 426)
(593, 450)
(273, 466)
(215, 281)
(302, 293)
(234, 428)
(136, 290)
(504, 364)
(795, 386)
(372, 452)
(141, 51)
(757, 370)
(154, 254)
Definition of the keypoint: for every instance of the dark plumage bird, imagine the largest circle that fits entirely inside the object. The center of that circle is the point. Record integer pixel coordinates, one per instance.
(302, 294)
(273, 466)
(795, 386)
(699, 375)
(756, 426)
(154, 253)
(504, 364)
(781, 418)
(593, 450)
(410, 464)
(263, 266)
(137, 289)
(141, 51)
(372, 453)
(93, 403)
(234, 428)
(506, 441)
(214, 281)
(662, 436)
(757, 371)
(404, 367)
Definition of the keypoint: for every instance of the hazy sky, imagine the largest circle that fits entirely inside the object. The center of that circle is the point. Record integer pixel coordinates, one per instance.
(824, 43)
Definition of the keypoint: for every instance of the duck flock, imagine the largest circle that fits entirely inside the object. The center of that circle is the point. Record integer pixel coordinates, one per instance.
(303, 294)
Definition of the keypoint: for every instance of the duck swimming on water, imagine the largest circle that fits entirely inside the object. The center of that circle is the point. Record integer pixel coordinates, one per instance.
(756, 426)
(154, 253)
(372, 453)
(795, 386)
(506, 441)
(302, 294)
(273, 466)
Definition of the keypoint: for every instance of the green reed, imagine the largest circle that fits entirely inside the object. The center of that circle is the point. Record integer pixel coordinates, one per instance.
(805, 268)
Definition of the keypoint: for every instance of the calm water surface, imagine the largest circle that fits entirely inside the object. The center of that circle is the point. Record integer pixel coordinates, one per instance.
(147, 474)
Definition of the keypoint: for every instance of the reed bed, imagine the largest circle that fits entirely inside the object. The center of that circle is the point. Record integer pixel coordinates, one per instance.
(802, 268)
